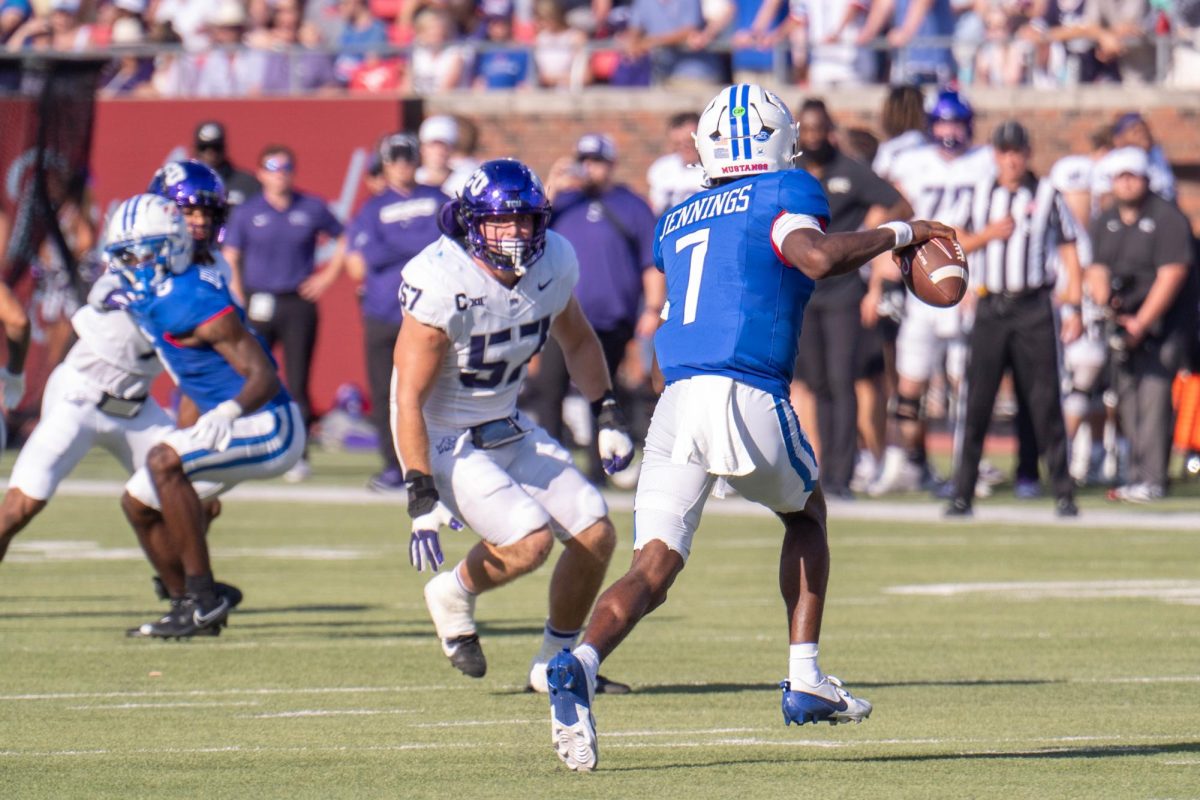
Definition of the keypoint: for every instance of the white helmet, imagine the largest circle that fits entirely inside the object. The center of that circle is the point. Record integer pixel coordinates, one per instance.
(146, 240)
(745, 130)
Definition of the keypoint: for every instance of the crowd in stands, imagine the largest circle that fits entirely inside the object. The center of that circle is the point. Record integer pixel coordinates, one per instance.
(212, 48)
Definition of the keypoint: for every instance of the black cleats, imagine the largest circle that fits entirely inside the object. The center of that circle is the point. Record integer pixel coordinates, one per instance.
(226, 590)
(606, 686)
(466, 655)
(188, 617)
(959, 508)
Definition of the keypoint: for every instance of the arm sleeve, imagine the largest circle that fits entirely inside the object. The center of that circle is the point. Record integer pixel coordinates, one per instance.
(1061, 220)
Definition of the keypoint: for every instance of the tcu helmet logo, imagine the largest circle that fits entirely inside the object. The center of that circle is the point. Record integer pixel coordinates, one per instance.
(173, 173)
(478, 182)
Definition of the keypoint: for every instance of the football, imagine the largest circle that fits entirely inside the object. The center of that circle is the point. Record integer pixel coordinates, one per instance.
(935, 271)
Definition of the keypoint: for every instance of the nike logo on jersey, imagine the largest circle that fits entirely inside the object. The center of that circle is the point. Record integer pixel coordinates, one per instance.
(544, 285)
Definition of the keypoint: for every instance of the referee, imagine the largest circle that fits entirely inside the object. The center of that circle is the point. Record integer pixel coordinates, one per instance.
(1017, 224)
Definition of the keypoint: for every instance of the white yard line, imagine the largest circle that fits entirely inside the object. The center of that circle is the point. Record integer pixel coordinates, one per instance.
(318, 712)
(156, 706)
(227, 692)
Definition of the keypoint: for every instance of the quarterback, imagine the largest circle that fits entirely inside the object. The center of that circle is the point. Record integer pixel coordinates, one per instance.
(741, 260)
(479, 303)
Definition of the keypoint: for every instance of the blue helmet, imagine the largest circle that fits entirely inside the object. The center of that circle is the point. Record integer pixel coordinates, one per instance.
(497, 188)
(951, 107)
(193, 184)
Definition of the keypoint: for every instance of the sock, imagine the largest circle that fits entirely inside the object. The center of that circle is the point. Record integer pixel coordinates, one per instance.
(200, 585)
(458, 579)
(802, 664)
(590, 659)
(553, 641)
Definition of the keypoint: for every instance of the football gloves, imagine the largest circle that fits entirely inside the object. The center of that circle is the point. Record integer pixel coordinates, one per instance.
(13, 387)
(612, 437)
(214, 430)
(428, 514)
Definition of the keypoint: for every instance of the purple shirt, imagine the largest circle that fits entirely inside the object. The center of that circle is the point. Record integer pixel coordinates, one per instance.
(613, 235)
(388, 231)
(278, 247)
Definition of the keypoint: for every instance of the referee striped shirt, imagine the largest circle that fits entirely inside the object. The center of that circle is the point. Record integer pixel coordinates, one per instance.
(1026, 260)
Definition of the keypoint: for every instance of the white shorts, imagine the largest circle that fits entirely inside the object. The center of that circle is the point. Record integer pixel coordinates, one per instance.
(265, 444)
(675, 481)
(71, 425)
(509, 492)
(925, 337)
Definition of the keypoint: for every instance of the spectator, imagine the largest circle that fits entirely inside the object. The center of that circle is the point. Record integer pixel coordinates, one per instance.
(228, 70)
(271, 244)
(620, 292)
(286, 71)
(132, 71)
(831, 29)
(558, 50)
(438, 136)
(360, 32)
(1142, 254)
(437, 63)
(506, 66)
(914, 19)
(676, 176)
(189, 20)
(668, 32)
(13, 14)
(759, 25)
(209, 147)
(388, 231)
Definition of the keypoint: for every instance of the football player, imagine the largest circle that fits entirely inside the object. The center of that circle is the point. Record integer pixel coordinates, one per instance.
(479, 303)
(938, 180)
(249, 427)
(740, 261)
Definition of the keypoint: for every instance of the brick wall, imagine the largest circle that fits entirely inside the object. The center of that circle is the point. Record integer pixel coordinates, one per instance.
(539, 127)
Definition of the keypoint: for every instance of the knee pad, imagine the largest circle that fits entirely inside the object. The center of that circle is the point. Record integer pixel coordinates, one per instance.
(908, 409)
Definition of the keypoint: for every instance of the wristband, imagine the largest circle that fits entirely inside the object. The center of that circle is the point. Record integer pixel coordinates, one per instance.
(422, 493)
(903, 232)
(598, 405)
(231, 409)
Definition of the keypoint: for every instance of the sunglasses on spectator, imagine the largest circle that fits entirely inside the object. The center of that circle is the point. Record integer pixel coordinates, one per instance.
(277, 165)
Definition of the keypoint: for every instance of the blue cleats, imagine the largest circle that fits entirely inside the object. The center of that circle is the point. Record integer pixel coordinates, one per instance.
(825, 702)
(572, 726)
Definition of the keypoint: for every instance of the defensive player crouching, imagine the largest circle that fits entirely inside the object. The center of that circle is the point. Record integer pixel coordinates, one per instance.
(249, 428)
(478, 305)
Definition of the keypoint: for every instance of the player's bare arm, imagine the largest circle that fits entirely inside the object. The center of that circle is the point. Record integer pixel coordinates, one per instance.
(820, 255)
(420, 350)
(582, 351)
(229, 337)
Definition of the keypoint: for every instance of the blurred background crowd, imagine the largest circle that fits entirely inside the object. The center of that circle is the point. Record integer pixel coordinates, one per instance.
(240, 48)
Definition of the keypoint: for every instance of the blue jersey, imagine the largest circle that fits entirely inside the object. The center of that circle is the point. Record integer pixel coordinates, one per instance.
(180, 305)
(733, 306)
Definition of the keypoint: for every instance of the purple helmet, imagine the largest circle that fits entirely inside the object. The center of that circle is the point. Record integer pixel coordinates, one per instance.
(193, 184)
(951, 107)
(497, 188)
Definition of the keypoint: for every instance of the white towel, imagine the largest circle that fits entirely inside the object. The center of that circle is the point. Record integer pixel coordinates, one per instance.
(708, 432)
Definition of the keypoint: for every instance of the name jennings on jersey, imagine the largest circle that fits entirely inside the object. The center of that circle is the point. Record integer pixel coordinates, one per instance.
(719, 251)
(707, 207)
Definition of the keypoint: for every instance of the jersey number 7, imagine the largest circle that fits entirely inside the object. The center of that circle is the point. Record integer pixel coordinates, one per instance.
(698, 241)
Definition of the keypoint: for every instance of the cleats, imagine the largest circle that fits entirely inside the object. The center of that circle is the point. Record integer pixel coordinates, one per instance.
(538, 682)
(572, 726)
(466, 655)
(453, 614)
(825, 702)
(226, 590)
(188, 617)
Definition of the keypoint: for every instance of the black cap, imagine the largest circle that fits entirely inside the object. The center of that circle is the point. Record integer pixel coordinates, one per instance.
(1011, 135)
(400, 147)
(210, 134)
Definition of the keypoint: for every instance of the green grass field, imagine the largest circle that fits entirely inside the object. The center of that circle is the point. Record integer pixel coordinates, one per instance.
(1050, 663)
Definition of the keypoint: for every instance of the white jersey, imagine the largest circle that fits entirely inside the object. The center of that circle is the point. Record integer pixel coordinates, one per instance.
(1070, 174)
(112, 354)
(494, 331)
(672, 181)
(885, 157)
(940, 189)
